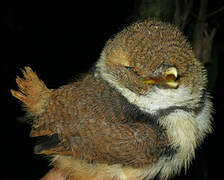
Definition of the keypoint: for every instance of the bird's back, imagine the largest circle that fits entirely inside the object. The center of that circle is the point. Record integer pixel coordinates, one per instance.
(90, 120)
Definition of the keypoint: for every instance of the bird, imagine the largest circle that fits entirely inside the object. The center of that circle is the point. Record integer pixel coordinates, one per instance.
(139, 113)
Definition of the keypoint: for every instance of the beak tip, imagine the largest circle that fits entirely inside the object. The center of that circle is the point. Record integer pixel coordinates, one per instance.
(171, 71)
(173, 84)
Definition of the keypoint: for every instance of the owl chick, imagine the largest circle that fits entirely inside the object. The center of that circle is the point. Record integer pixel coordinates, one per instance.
(140, 113)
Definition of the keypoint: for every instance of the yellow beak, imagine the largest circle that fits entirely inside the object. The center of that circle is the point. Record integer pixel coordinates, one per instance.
(168, 80)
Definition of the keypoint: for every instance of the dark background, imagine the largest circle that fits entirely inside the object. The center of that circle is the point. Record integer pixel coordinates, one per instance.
(60, 41)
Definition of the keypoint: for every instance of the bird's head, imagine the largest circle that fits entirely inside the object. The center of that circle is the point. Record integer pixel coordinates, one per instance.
(152, 61)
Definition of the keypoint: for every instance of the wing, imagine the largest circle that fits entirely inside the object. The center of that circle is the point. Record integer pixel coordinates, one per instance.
(96, 124)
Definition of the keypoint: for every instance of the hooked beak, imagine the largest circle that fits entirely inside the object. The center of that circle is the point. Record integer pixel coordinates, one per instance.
(169, 79)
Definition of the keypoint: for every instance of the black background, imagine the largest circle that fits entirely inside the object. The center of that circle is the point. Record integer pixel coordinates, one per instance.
(60, 41)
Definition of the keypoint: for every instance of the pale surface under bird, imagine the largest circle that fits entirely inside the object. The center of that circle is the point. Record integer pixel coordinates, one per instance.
(140, 113)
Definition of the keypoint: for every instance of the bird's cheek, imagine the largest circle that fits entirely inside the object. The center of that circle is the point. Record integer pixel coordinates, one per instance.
(129, 80)
(138, 87)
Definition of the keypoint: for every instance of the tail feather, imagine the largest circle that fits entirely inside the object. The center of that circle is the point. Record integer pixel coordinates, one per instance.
(32, 91)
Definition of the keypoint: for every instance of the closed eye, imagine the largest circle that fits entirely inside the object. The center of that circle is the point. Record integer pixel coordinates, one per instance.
(132, 69)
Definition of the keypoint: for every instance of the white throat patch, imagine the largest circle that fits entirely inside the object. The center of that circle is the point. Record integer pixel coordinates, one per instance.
(185, 130)
(156, 99)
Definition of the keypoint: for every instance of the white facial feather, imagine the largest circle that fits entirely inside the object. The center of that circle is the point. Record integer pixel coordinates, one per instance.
(156, 99)
(184, 129)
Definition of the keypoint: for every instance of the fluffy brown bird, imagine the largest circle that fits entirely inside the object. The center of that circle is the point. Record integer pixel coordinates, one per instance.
(142, 112)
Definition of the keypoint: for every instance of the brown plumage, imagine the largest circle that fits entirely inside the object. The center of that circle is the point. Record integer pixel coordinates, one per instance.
(142, 111)
(102, 134)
